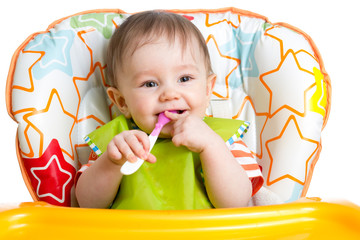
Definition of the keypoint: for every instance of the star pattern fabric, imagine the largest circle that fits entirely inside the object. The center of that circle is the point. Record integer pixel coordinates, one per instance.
(270, 74)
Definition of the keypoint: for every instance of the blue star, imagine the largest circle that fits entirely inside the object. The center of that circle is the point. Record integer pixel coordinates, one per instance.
(231, 49)
(243, 48)
(246, 45)
(56, 45)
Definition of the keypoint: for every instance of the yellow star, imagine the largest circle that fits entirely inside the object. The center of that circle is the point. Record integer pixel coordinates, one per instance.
(318, 100)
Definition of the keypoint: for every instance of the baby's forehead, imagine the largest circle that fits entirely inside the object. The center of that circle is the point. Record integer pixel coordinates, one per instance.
(188, 42)
(188, 46)
(160, 48)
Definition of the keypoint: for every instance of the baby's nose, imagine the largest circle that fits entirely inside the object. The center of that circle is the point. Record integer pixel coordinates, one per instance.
(170, 93)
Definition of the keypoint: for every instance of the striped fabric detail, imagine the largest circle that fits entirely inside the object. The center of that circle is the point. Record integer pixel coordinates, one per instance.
(85, 166)
(239, 134)
(93, 146)
(81, 170)
(246, 159)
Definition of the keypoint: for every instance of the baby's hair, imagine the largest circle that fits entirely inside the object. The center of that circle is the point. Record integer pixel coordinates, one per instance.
(146, 27)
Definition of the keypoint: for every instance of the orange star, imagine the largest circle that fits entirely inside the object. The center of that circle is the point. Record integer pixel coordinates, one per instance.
(286, 164)
(224, 62)
(296, 86)
(46, 123)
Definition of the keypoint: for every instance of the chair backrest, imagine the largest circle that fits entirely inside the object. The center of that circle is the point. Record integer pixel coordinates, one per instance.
(268, 74)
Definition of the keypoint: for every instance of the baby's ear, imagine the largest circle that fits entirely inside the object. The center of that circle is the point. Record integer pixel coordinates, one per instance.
(210, 84)
(117, 98)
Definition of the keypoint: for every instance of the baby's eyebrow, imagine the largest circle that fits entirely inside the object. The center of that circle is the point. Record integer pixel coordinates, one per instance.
(177, 68)
(191, 67)
(143, 73)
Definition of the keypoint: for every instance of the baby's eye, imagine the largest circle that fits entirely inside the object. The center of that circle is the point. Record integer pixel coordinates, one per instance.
(184, 79)
(150, 84)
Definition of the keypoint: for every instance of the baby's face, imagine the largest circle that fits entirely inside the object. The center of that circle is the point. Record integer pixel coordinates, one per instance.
(161, 76)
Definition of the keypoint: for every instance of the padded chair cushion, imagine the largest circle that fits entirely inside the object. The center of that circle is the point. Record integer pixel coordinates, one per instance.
(269, 74)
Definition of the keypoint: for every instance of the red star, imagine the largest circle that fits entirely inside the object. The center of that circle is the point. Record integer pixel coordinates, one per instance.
(51, 176)
(189, 17)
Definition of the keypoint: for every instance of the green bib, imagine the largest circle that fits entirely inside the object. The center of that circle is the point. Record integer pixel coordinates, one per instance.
(175, 181)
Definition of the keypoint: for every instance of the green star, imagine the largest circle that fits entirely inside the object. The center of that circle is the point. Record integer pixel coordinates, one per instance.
(100, 21)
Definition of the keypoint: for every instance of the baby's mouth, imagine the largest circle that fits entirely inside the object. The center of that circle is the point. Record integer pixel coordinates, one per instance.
(174, 111)
(180, 111)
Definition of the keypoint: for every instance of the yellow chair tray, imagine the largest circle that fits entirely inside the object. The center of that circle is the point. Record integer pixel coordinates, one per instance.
(299, 220)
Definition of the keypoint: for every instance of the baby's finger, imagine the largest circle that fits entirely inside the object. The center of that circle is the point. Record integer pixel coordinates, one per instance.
(178, 140)
(176, 116)
(136, 147)
(151, 158)
(123, 147)
(127, 153)
(143, 138)
(113, 153)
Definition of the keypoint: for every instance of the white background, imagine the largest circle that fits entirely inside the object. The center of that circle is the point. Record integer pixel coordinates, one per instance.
(333, 25)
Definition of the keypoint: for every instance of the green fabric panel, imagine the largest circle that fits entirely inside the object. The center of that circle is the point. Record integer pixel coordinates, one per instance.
(174, 181)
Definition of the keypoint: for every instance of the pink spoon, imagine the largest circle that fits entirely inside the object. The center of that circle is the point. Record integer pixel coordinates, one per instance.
(128, 167)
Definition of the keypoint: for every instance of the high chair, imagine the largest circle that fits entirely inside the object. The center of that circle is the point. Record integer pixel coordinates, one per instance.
(270, 74)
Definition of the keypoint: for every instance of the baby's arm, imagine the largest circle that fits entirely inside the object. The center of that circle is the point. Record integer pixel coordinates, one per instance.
(98, 185)
(226, 182)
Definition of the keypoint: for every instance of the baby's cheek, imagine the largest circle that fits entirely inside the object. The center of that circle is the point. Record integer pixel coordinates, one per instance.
(144, 118)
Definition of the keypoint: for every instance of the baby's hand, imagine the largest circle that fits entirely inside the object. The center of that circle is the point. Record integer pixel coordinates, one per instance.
(191, 131)
(129, 145)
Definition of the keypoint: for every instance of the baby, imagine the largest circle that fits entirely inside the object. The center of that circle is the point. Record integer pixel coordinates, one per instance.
(159, 62)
